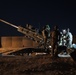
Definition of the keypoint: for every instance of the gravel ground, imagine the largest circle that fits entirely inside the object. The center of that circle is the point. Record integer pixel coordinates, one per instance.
(36, 65)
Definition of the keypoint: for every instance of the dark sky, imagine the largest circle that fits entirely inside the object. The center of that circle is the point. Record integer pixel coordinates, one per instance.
(37, 13)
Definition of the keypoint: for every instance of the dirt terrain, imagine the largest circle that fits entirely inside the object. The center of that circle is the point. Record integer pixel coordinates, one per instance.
(36, 65)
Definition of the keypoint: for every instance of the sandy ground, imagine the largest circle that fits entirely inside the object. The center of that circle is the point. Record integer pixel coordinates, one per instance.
(36, 65)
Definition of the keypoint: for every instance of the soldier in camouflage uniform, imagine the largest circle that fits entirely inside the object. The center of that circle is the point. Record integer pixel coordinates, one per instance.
(55, 37)
(46, 34)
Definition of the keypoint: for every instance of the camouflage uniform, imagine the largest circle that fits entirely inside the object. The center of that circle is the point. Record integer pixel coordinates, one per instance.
(55, 37)
(46, 34)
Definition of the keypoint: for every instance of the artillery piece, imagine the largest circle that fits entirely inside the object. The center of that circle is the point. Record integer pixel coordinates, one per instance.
(29, 33)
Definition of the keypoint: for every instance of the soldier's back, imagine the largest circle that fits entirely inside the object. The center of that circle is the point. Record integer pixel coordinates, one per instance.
(55, 34)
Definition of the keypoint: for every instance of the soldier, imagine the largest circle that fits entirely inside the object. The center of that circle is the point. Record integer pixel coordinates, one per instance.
(55, 37)
(63, 42)
(64, 32)
(69, 39)
(46, 34)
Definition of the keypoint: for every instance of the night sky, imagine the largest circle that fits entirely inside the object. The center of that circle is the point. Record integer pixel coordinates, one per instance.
(37, 13)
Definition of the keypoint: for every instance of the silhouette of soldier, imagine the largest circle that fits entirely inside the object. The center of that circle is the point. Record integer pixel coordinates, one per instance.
(46, 34)
(55, 37)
